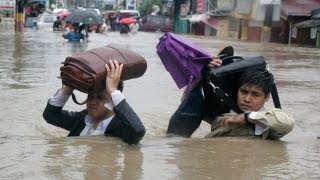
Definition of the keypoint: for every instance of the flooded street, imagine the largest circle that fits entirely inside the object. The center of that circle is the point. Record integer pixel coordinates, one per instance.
(32, 149)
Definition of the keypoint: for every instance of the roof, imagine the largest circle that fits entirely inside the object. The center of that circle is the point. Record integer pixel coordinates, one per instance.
(298, 7)
(308, 23)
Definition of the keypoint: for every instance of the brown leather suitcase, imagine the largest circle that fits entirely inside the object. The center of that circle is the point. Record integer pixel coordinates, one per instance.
(85, 71)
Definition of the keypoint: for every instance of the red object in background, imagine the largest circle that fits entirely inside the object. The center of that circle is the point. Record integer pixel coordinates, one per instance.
(63, 14)
(200, 5)
(128, 20)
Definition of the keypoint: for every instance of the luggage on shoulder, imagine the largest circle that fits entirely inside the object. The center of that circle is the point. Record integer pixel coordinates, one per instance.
(222, 83)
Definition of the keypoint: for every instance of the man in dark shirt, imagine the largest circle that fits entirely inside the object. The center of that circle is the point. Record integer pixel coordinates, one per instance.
(57, 24)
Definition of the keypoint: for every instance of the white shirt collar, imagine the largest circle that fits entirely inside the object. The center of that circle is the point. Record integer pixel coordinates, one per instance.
(101, 128)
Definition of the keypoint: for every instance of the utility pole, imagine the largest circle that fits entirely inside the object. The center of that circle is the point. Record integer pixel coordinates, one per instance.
(19, 16)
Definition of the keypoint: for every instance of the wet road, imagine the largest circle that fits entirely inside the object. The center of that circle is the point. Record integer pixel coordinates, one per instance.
(32, 149)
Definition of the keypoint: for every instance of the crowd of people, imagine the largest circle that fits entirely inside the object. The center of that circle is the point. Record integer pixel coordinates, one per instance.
(34, 9)
(80, 32)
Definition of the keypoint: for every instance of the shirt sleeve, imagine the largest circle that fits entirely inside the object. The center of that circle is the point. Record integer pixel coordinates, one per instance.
(59, 99)
(117, 97)
(273, 123)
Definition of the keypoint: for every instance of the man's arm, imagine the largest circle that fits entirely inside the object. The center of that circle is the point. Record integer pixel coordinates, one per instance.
(54, 114)
(126, 124)
(274, 123)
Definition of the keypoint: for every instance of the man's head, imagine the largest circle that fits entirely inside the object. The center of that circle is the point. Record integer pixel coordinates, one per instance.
(96, 101)
(254, 89)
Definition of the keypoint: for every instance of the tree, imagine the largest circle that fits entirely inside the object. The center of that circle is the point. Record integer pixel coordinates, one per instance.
(147, 5)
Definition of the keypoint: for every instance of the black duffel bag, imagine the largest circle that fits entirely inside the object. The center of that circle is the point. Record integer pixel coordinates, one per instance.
(221, 84)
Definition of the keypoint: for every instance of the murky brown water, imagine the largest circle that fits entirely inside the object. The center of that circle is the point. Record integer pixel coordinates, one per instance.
(32, 149)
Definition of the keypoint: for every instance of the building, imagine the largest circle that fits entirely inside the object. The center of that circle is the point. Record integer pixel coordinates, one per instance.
(294, 12)
(249, 20)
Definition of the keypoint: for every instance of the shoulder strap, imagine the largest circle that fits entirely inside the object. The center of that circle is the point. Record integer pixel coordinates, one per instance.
(275, 96)
(224, 97)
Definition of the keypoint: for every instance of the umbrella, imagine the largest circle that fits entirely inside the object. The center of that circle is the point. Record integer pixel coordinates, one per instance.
(40, 1)
(63, 14)
(85, 17)
(128, 20)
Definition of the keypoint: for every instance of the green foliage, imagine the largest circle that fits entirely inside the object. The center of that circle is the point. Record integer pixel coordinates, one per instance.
(147, 5)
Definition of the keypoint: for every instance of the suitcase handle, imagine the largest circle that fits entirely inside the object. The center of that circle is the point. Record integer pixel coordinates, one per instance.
(230, 59)
(203, 59)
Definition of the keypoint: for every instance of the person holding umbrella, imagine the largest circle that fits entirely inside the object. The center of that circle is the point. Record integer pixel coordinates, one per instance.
(125, 22)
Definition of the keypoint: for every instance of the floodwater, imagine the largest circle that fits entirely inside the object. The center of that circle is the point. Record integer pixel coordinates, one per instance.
(32, 149)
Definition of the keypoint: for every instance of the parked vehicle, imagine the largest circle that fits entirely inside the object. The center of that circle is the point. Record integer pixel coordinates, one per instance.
(46, 21)
(154, 23)
(31, 22)
(131, 13)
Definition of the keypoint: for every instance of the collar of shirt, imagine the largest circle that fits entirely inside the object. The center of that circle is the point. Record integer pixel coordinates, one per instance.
(102, 126)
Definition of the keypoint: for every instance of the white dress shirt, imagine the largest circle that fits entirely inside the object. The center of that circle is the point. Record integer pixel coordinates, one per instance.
(258, 127)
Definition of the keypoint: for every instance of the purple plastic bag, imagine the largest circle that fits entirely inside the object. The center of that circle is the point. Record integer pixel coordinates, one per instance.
(183, 59)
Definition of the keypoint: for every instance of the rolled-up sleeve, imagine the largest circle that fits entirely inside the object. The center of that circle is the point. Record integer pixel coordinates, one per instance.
(275, 122)
(59, 99)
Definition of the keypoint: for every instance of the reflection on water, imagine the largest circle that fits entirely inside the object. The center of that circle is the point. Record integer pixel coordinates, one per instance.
(32, 149)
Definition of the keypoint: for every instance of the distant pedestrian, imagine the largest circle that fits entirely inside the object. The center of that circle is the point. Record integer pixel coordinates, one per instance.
(57, 24)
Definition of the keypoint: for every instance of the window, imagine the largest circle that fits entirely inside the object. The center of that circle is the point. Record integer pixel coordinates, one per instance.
(48, 20)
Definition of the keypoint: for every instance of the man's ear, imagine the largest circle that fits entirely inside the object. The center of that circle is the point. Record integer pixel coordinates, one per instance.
(267, 97)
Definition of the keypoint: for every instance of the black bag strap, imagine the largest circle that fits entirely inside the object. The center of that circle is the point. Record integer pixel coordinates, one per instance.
(76, 101)
(224, 98)
(275, 96)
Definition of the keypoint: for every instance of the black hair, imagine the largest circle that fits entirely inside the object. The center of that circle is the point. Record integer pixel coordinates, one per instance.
(261, 78)
(120, 86)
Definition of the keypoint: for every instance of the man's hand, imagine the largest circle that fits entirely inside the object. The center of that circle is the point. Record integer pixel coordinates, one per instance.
(235, 119)
(113, 75)
(66, 90)
(216, 62)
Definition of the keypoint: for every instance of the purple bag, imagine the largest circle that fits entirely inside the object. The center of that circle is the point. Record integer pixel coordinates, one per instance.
(183, 59)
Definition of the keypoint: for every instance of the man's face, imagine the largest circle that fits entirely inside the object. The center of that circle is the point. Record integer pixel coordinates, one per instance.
(95, 105)
(251, 98)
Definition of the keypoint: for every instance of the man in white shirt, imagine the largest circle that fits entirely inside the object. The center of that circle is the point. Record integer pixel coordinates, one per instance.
(107, 111)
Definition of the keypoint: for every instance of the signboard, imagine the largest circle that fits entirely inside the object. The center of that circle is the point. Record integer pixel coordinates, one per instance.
(184, 10)
(313, 32)
(294, 32)
(225, 5)
(7, 7)
(200, 5)
(131, 5)
(243, 6)
(268, 2)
